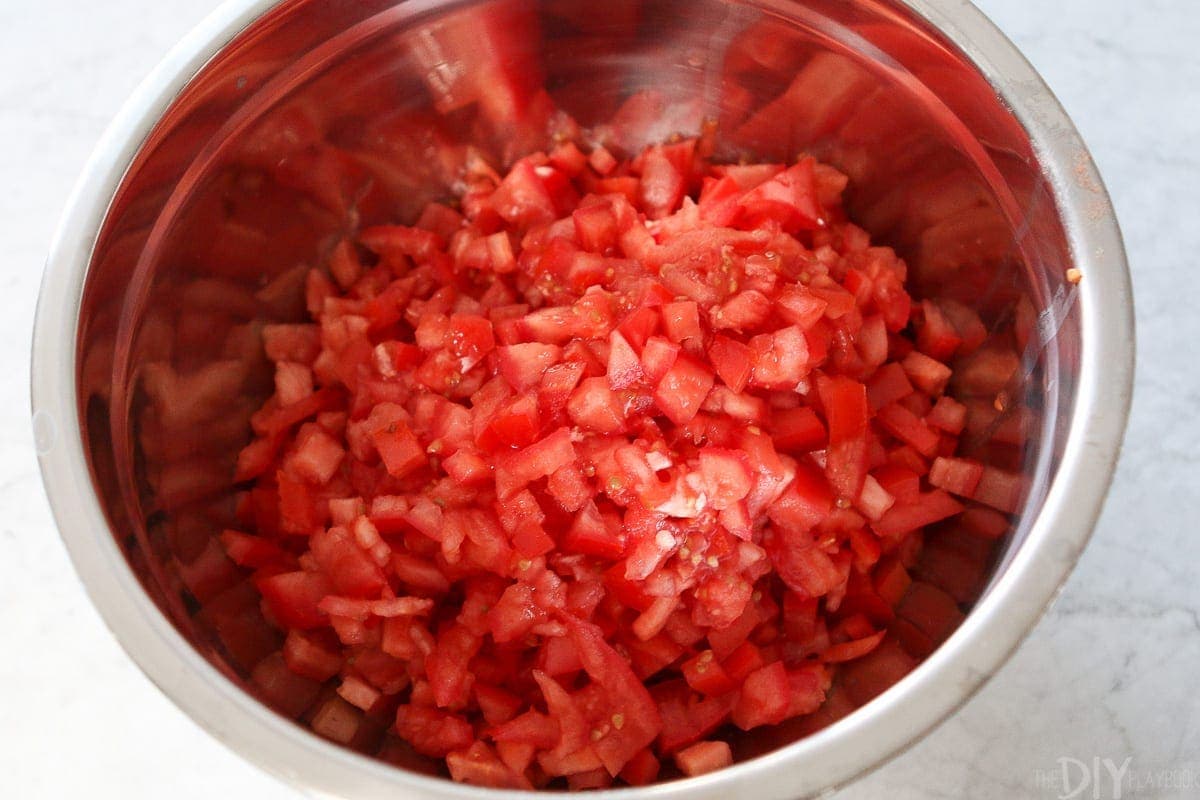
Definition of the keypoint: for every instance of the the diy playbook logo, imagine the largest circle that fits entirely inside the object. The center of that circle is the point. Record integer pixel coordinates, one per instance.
(1103, 776)
(1112, 779)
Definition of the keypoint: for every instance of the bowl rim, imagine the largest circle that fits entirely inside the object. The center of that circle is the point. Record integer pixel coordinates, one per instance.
(846, 750)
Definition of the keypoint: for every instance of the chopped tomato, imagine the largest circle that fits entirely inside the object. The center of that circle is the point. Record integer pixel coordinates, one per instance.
(610, 458)
(703, 757)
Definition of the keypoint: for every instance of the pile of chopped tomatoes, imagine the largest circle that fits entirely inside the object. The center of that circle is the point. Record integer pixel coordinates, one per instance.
(600, 463)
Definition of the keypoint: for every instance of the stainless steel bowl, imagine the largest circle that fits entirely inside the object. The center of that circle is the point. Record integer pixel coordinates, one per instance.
(185, 227)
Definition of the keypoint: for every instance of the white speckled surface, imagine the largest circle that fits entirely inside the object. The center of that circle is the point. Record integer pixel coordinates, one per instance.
(1111, 672)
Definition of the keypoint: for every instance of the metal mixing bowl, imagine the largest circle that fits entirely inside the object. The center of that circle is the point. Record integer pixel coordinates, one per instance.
(179, 239)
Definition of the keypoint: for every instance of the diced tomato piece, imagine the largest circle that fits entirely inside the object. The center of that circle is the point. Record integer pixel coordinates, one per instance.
(399, 449)
(999, 489)
(798, 430)
(250, 551)
(662, 186)
(731, 360)
(780, 359)
(932, 612)
(874, 501)
(641, 770)
(589, 534)
(929, 508)
(522, 198)
(789, 199)
(299, 510)
(681, 321)
(867, 677)
(569, 487)
(316, 455)
(594, 406)
(703, 757)
(805, 502)
(530, 727)
(479, 765)
(602, 160)
(350, 569)
(888, 384)
(985, 523)
(299, 344)
(706, 675)
(524, 364)
(848, 651)
(764, 697)
(309, 658)
(635, 718)
(848, 415)
(800, 306)
(958, 476)
(292, 598)
(725, 475)
(596, 227)
(682, 390)
(624, 366)
(686, 718)
(936, 336)
(947, 415)
(744, 311)
(433, 732)
(539, 460)
(282, 688)
(927, 374)
(658, 356)
(908, 427)
(467, 468)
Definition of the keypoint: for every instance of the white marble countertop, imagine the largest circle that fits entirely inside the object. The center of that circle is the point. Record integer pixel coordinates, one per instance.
(1111, 672)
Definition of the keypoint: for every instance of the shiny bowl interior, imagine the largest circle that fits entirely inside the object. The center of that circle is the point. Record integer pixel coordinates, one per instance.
(296, 122)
